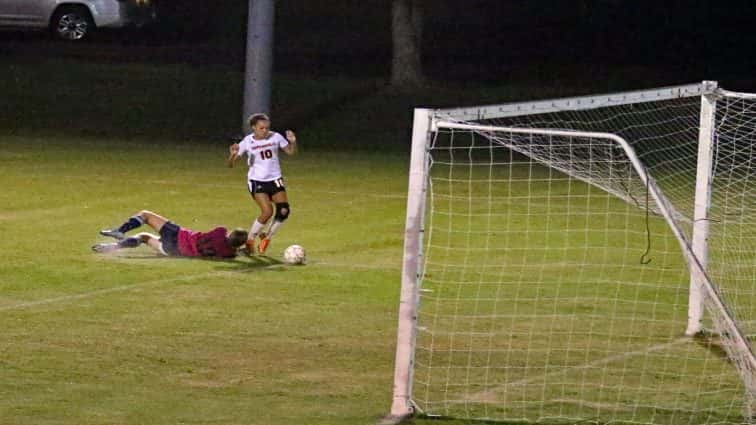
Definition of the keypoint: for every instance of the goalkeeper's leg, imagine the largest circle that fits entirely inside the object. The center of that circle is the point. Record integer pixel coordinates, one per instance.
(153, 220)
(130, 242)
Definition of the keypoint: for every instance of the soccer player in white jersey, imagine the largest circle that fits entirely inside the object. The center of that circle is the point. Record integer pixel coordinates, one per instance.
(264, 179)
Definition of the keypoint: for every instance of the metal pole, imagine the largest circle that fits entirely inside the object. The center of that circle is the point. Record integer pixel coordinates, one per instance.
(401, 406)
(701, 206)
(259, 62)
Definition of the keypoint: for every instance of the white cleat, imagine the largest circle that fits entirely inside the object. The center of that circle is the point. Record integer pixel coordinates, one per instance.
(105, 247)
(112, 233)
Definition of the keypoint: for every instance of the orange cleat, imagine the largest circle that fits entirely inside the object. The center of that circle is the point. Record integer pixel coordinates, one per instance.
(264, 244)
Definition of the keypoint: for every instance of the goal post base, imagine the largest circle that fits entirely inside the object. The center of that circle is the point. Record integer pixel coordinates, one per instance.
(693, 330)
(401, 410)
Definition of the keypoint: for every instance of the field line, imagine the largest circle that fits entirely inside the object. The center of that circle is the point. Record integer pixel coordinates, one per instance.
(121, 288)
(489, 395)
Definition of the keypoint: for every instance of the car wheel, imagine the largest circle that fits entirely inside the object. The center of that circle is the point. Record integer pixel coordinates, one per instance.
(72, 23)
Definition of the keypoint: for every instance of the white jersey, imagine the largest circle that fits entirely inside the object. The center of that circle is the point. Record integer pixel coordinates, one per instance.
(262, 156)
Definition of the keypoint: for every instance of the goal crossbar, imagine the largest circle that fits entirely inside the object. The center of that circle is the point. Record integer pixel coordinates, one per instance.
(477, 113)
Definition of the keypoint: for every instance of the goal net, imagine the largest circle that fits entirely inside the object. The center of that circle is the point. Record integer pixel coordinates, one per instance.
(559, 256)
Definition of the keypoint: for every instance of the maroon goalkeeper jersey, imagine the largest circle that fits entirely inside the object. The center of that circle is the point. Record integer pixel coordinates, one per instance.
(205, 244)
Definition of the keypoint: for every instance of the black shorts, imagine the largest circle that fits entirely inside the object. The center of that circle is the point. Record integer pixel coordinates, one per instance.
(271, 188)
(169, 238)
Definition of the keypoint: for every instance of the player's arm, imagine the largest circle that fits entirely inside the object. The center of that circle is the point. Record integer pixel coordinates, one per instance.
(233, 153)
(291, 148)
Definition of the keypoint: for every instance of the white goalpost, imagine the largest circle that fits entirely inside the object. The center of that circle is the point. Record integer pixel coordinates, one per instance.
(582, 259)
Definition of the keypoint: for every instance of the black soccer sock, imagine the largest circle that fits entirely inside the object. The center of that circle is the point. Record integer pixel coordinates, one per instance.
(129, 243)
(131, 224)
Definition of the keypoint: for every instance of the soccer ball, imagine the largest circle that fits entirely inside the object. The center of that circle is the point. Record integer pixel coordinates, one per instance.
(294, 254)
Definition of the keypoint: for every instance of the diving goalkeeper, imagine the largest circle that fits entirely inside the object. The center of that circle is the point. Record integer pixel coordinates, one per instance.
(173, 240)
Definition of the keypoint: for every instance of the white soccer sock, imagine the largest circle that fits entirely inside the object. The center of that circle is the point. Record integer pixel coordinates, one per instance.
(273, 228)
(255, 229)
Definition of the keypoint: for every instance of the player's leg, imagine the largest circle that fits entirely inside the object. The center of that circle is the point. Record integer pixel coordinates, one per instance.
(119, 232)
(153, 220)
(129, 242)
(281, 202)
(152, 241)
(265, 204)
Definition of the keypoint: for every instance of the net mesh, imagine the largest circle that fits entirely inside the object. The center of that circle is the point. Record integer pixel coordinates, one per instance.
(732, 224)
(552, 289)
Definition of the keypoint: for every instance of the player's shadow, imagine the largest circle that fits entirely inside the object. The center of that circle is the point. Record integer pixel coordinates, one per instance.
(243, 264)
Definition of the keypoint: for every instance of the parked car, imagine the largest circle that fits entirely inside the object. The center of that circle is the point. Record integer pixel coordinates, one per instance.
(76, 19)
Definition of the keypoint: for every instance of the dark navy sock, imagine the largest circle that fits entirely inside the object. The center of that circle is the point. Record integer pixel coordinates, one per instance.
(131, 224)
(129, 243)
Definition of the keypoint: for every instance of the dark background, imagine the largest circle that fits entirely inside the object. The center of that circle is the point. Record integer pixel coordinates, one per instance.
(491, 40)
(481, 40)
(182, 78)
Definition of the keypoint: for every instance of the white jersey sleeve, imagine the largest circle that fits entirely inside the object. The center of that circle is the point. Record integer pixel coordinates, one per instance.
(282, 142)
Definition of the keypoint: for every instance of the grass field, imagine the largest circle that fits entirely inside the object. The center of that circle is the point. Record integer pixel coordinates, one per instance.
(133, 338)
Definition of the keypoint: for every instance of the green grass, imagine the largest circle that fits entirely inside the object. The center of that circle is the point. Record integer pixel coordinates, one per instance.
(132, 338)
